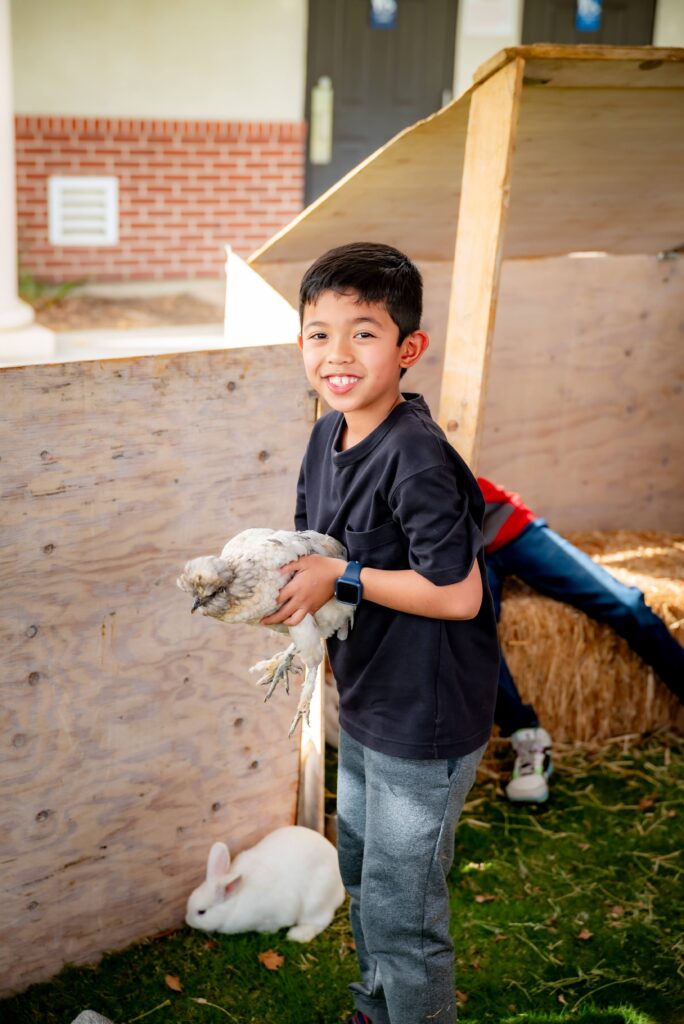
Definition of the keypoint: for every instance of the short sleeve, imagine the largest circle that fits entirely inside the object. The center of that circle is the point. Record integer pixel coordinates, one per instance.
(434, 511)
(300, 517)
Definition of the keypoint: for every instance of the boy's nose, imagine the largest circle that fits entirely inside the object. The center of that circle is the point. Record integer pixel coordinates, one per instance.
(339, 353)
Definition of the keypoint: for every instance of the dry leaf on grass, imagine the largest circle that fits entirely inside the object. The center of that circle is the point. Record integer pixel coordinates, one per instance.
(163, 935)
(462, 997)
(562, 999)
(173, 982)
(271, 960)
(484, 898)
(585, 935)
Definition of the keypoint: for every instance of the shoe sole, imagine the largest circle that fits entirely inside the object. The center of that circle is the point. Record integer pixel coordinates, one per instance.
(528, 799)
(533, 798)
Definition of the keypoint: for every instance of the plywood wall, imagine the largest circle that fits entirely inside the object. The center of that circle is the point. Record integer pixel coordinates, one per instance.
(133, 734)
(585, 401)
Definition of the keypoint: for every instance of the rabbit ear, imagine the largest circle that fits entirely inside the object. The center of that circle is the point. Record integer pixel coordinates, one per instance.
(228, 884)
(218, 861)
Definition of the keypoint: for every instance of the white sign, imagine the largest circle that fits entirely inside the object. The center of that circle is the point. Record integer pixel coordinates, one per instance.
(490, 18)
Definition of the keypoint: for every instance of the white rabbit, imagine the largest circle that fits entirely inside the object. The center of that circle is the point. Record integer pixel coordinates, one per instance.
(290, 879)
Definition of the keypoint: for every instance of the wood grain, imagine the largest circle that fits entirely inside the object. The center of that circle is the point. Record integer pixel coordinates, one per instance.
(492, 131)
(134, 735)
(585, 402)
(588, 65)
(598, 167)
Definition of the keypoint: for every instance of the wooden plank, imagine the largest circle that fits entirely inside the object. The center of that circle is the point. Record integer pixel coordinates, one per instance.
(310, 801)
(584, 402)
(482, 220)
(583, 155)
(364, 205)
(581, 164)
(135, 737)
(586, 64)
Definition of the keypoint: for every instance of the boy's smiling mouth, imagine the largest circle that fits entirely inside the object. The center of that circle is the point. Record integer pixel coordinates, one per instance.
(341, 383)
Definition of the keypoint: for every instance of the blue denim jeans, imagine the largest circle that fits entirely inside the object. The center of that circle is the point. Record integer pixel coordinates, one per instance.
(556, 568)
(396, 819)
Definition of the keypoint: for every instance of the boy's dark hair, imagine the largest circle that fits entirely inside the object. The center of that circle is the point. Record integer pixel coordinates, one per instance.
(377, 273)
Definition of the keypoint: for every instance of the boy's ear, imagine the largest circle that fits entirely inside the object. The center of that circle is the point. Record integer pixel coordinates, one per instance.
(300, 343)
(412, 348)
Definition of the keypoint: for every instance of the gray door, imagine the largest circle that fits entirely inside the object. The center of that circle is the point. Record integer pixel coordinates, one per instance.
(623, 23)
(383, 79)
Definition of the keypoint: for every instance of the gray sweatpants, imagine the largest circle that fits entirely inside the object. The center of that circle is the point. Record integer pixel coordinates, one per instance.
(396, 823)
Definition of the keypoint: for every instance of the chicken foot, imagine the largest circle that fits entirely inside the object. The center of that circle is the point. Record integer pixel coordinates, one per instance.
(304, 705)
(276, 670)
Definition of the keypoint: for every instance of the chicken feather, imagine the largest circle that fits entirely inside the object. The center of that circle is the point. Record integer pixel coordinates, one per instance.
(242, 585)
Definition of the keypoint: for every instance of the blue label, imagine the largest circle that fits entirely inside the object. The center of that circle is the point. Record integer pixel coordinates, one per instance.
(383, 13)
(588, 18)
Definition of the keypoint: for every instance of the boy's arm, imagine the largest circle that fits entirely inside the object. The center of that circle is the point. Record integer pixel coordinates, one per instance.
(403, 590)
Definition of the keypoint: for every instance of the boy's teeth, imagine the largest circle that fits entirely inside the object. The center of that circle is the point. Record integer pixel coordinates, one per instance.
(341, 381)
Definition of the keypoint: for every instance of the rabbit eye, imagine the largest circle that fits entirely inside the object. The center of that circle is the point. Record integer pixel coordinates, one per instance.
(200, 912)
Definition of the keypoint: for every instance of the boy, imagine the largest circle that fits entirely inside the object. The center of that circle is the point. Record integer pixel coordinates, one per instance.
(417, 675)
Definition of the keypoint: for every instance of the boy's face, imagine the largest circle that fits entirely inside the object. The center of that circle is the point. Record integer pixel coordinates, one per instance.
(351, 355)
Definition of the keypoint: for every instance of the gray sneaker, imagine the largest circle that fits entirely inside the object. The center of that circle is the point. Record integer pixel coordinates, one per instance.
(533, 766)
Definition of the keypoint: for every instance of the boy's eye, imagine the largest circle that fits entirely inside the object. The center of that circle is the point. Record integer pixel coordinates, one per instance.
(363, 335)
(318, 336)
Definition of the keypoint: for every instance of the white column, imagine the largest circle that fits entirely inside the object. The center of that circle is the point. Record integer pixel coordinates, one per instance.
(19, 336)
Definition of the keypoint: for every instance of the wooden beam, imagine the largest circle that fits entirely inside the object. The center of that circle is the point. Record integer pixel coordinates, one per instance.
(646, 58)
(310, 796)
(310, 802)
(485, 193)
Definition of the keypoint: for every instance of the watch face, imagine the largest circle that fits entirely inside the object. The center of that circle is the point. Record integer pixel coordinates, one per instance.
(347, 592)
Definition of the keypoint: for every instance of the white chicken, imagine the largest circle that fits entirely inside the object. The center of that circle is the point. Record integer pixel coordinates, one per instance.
(242, 585)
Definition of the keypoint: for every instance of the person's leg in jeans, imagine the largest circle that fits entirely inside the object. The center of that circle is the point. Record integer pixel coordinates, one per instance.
(396, 822)
(510, 713)
(532, 744)
(556, 568)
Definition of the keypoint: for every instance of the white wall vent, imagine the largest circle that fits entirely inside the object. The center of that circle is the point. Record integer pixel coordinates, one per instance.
(83, 211)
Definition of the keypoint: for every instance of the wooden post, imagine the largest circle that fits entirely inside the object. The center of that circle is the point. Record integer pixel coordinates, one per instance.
(310, 803)
(490, 143)
(310, 797)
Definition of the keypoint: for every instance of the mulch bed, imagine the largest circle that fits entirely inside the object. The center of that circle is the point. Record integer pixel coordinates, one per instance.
(91, 312)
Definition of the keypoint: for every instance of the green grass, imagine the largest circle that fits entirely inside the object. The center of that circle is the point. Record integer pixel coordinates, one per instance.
(600, 858)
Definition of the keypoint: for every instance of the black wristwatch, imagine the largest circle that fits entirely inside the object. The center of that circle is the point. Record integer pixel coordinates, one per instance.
(348, 586)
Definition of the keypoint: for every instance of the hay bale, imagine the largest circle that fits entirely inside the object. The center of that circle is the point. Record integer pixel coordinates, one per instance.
(584, 681)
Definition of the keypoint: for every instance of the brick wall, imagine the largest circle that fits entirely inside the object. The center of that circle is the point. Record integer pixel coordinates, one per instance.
(185, 189)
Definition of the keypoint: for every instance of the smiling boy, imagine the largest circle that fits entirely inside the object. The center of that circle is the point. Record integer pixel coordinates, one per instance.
(417, 676)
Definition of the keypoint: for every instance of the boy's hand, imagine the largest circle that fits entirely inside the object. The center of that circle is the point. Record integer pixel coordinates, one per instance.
(311, 586)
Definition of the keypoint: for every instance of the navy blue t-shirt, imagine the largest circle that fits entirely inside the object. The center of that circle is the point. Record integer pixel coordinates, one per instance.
(402, 498)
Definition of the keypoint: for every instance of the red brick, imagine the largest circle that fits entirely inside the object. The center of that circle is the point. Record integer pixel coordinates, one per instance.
(236, 181)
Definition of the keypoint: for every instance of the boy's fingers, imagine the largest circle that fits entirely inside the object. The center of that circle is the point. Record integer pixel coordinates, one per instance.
(276, 617)
(294, 566)
(287, 615)
(295, 619)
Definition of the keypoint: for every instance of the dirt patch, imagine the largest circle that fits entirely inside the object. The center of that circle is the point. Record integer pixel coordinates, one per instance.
(90, 312)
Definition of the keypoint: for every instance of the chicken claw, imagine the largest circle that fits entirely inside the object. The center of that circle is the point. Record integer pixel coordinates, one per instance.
(276, 670)
(305, 696)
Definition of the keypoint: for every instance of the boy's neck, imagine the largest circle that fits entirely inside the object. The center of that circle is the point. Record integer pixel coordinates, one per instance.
(361, 423)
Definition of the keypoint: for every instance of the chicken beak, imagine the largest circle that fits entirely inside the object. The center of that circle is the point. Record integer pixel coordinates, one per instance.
(195, 605)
